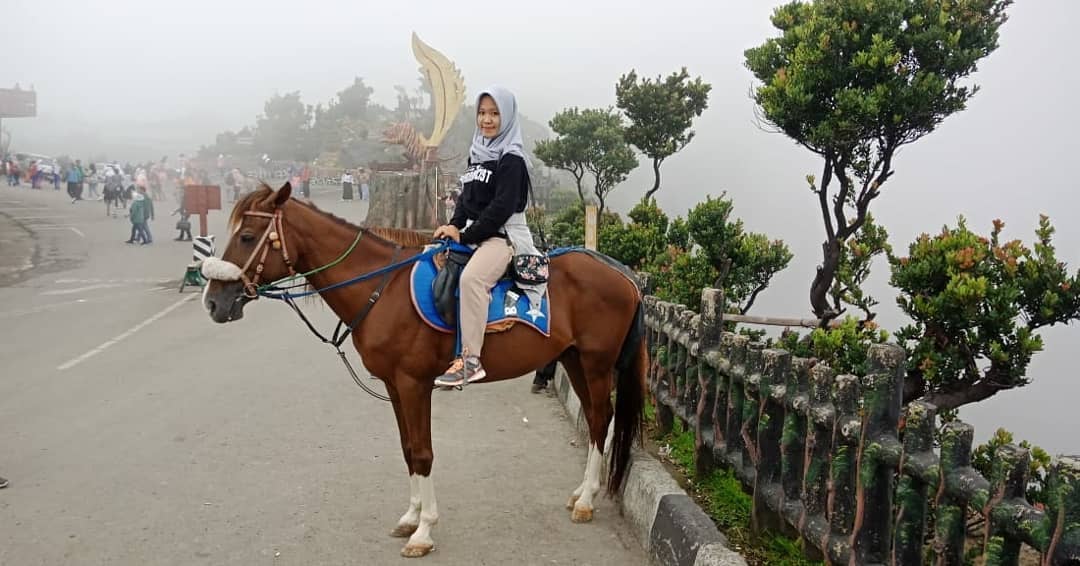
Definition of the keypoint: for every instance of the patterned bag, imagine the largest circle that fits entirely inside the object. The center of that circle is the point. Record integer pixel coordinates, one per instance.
(530, 269)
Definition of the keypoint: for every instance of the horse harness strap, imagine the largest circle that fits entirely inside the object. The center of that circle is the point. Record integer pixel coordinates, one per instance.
(272, 237)
(383, 282)
(339, 337)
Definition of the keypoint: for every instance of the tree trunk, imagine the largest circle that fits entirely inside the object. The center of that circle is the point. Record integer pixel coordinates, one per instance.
(823, 279)
(656, 178)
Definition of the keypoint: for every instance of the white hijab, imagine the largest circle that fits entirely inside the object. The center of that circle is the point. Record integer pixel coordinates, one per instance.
(508, 140)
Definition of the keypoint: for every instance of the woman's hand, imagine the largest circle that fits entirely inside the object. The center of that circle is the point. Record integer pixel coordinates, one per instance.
(448, 231)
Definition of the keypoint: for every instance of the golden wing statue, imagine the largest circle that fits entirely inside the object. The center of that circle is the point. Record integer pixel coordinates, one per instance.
(447, 88)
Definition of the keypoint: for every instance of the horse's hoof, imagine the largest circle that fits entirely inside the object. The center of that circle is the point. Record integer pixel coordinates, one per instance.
(581, 515)
(417, 550)
(404, 531)
(573, 500)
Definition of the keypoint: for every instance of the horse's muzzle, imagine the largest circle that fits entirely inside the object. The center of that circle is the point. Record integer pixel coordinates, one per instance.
(225, 301)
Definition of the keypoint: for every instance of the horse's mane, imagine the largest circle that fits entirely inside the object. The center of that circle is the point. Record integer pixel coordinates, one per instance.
(403, 237)
(407, 238)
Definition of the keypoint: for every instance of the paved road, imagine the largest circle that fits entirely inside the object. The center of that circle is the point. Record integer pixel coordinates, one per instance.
(135, 431)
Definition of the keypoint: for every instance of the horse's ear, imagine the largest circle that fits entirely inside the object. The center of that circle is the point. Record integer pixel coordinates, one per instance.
(282, 195)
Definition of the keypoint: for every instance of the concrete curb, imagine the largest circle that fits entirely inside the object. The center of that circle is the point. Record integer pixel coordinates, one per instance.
(667, 521)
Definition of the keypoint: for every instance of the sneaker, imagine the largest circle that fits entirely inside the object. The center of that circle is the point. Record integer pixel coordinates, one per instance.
(460, 372)
(3, 483)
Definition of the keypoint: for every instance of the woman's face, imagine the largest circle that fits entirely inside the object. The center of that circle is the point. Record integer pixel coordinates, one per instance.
(487, 117)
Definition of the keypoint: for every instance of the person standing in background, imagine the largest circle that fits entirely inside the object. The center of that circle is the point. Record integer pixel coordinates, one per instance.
(346, 186)
(92, 180)
(74, 181)
(365, 179)
(35, 175)
(136, 214)
(305, 181)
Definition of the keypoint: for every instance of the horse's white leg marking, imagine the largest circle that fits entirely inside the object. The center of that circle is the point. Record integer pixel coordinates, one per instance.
(608, 440)
(408, 522)
(583, 508)
(584, 482)
(420, 542)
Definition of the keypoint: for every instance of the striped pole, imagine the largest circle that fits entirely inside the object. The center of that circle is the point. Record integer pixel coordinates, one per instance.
(203, 247)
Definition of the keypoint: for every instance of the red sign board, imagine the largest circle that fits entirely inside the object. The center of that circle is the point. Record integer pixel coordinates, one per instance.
(200, 199)
(17, 103)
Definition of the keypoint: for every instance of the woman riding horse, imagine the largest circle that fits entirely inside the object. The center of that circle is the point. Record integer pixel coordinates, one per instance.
(595, 316)
(490, 218)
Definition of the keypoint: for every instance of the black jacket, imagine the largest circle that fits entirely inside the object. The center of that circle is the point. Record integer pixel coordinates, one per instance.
(491, 192)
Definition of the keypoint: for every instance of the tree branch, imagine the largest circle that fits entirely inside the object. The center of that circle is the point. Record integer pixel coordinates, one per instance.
(753, 297)
(873, 171)
(579, 173)
(823, 196)
(966, 394)
(914, 385)
(870, 192)
(840, 167)
(656, 177)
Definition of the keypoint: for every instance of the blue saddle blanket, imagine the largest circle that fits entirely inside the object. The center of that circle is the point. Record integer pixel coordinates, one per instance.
(423, 300)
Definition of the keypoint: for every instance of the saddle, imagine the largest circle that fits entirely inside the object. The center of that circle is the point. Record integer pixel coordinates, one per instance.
(450, 264)
(435, 283)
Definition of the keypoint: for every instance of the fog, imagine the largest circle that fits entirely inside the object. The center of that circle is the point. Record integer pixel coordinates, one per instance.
(137, 80)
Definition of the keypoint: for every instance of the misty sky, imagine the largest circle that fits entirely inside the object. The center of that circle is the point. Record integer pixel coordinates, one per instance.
(156, 78)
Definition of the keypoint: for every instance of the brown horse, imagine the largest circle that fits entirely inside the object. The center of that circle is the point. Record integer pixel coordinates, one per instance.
(595, 332)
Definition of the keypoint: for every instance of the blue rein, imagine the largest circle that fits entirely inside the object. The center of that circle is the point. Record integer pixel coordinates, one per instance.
(285, 294)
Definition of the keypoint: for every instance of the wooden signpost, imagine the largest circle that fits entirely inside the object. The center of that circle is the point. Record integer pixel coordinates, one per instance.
(201, 199)
(590, 226)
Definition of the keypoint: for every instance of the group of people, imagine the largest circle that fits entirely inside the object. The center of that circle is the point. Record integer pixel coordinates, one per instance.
(33, 173)
(360, 180)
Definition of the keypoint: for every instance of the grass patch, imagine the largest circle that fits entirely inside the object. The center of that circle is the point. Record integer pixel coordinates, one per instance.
(721, 495)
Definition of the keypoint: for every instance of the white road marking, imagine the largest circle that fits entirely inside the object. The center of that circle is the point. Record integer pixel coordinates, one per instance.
(81, 289)
(72, 228)
(158, 280)
(41, 217)
(127, 333)
(42, 308)
(28, 264)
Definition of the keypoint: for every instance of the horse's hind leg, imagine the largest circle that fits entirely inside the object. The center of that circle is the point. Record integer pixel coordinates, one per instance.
(576, 373)
(588, 376)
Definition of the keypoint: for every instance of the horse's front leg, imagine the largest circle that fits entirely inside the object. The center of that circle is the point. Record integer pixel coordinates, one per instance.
(408, 522)
(415, 400)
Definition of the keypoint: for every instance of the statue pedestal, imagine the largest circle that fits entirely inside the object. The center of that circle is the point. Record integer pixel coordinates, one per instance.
(406, 199)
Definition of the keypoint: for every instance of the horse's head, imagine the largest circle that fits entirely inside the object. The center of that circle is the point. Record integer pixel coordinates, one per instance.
(259, 250)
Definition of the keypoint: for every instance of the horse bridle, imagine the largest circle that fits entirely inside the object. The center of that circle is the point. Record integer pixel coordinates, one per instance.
(272, 237)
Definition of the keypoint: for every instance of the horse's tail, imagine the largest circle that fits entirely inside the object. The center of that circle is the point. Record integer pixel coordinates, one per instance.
(630, 370)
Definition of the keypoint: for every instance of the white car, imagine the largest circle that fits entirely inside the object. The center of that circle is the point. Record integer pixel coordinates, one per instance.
(45, 164)
(103, 167)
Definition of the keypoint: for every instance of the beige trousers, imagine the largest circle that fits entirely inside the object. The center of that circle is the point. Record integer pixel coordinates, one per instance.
(485, 268)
